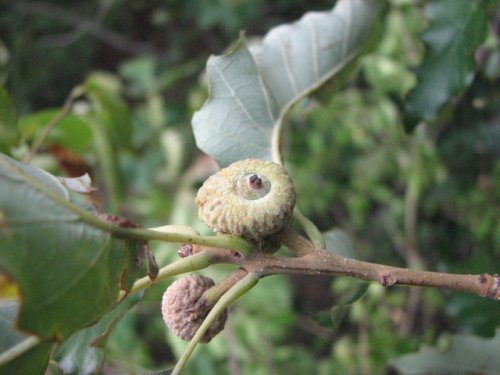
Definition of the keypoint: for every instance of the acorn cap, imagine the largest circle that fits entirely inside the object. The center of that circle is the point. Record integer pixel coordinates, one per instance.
(250, 198)
(183, 309)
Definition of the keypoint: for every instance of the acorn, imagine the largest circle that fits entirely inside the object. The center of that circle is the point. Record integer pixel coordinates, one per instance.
(184, 309)
(250, 198)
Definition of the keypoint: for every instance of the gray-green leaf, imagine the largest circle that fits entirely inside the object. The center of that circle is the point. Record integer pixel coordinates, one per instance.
(251, 88)
(466, 355)
(69, 272)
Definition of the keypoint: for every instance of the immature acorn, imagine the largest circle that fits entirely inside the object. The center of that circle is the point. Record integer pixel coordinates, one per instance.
(183, 309)
(250, 198)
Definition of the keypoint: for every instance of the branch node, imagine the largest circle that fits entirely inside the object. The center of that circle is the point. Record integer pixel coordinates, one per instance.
(494, 289)
(387, 279)
(482, 278)
(186, 250)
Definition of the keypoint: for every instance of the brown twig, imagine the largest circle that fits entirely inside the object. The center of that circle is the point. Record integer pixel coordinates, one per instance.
(317, 262)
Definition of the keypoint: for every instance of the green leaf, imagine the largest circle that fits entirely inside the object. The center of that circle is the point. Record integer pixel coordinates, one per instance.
(141, 74)
(83, 353)
(8, 121)
(71, 132)
(456, 29)
(32, 361)
(69, 272)
(338, 242)
(466, 355)
(112, 131)
(109, 109)
(252, 88)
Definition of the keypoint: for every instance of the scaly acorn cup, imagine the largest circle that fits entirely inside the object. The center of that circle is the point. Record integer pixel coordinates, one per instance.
(250, 198)
(184, 310)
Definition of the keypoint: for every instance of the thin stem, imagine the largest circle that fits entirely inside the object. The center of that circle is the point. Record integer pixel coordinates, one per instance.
(222, 242)
(276, 139)
(18, 349)
(63, 112)
(239, 289)
(192, 263)
(212, 295)
(311, 230)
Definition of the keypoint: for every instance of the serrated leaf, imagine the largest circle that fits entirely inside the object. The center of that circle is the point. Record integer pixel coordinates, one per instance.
(83, 353)
(251, 88)
(32, 361)
(466, 355)
(69, 272)
(456, 29)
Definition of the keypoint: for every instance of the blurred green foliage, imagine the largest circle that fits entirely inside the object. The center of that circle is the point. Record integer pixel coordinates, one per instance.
(427, 199)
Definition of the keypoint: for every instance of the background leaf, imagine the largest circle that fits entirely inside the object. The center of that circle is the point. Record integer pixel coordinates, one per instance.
(69, 272)
(83, 352)
(251, 88)
(465, 355)
(31, 362)
(109, 109)
(71, 132)
(111, 126)
(456, 29)
(8, 120)
(338, 242)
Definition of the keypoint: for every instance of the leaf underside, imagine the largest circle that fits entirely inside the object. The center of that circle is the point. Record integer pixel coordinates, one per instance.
(69, 272)
(251, 88)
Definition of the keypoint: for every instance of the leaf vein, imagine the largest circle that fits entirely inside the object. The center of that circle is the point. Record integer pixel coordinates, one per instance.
(288, 68)
(237, 100)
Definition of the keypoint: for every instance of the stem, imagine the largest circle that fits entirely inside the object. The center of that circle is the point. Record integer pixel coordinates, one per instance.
(317, 262)
(295, 242)
(323, 262)
(223, 241)
(311, 230)
(192, 263)
(18, 349)
(63, 112)
(240, 288)
(212, 295)
(276, 139)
